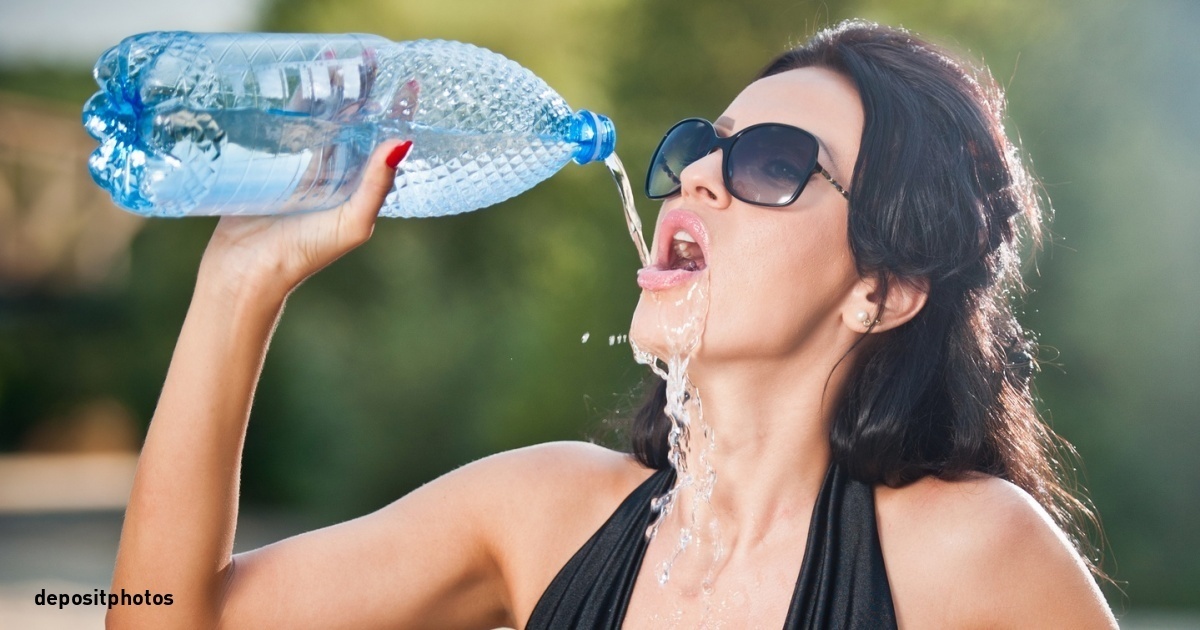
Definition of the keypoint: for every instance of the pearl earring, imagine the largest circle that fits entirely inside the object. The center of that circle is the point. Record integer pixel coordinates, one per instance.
(864, 318)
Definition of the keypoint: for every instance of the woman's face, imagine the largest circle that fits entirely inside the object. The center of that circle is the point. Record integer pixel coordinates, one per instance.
(778, 278)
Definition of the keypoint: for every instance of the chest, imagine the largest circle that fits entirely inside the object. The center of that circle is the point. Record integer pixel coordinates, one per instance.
(710, 590)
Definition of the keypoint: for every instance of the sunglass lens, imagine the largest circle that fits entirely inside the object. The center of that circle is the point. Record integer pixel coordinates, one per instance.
(770, 165)
(685, 143)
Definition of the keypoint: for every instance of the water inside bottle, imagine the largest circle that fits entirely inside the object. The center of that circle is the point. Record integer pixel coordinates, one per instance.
(323, 161)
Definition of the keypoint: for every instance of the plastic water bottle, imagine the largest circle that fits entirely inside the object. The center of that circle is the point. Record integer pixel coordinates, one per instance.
(202, 124)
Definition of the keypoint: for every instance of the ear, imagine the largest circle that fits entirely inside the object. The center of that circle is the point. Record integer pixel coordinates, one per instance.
(867, 309)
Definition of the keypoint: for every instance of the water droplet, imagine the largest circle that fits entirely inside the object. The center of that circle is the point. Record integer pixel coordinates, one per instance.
(585, 337)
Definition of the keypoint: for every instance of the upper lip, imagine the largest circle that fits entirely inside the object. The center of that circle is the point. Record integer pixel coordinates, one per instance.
(672, 222)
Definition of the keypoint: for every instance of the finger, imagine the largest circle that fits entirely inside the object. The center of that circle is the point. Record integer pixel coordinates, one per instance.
(364, 205)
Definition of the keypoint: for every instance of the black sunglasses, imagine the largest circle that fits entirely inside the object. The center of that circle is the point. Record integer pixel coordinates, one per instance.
(766, 164)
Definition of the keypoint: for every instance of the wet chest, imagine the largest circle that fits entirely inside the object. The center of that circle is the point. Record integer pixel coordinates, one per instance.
(710, 591)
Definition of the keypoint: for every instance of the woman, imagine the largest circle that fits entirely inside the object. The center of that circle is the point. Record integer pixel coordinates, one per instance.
(855, 214)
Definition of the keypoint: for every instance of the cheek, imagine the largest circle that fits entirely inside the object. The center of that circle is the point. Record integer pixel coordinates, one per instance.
(771, 303)
(754, 309)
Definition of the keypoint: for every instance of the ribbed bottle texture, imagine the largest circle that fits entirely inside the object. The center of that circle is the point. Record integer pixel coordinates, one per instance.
(201, 124)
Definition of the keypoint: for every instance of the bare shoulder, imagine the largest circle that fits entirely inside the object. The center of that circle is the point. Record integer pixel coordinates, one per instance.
(553, 474)
(546, 486)
(981, 552)
(543, 503)
(475, 546)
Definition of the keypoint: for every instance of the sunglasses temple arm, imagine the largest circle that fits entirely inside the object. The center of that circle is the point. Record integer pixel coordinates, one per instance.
(824, 173)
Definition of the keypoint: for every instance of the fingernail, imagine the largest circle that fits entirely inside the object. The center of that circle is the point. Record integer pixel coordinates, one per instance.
(394, 158)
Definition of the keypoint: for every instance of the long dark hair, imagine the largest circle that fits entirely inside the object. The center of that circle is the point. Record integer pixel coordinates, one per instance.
(939, 195)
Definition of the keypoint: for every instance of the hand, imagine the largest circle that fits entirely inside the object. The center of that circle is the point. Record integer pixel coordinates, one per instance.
(278, 252)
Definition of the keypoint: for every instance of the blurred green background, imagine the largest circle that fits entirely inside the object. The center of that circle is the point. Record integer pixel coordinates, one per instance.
(445, 340)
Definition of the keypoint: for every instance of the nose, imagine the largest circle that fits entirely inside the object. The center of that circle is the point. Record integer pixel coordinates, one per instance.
(701, 182)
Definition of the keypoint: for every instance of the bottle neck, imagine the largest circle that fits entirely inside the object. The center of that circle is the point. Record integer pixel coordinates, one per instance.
(595, 135)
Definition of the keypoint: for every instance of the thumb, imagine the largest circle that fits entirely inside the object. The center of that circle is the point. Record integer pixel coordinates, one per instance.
(377, 181)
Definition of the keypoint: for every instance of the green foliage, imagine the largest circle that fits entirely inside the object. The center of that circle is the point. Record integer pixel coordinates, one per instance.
(1116, 144)
(65, 85)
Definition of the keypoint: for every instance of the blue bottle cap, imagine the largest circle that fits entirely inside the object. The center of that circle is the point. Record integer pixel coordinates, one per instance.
(595, 134)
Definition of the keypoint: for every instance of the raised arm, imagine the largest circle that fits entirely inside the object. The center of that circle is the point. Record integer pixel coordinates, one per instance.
(179, 525)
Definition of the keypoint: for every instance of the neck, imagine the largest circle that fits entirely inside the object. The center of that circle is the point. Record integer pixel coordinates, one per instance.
(762, 429)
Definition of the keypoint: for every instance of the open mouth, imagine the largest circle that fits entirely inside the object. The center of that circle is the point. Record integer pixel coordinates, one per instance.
(685, 253)
(681, 241)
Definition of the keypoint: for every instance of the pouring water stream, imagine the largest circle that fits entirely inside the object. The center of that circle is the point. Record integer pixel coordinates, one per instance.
(682, 320)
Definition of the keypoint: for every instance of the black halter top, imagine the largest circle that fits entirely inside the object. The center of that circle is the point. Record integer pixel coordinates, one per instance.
(842, 583)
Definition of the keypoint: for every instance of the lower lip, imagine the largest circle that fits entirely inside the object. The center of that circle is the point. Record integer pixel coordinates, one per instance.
(652, 279)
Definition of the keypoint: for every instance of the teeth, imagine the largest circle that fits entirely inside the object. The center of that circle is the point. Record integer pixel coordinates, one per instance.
(684, 236)
(685, 252)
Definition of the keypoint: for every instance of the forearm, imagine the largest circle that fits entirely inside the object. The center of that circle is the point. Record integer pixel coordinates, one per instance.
(179, 525)
(178, 533)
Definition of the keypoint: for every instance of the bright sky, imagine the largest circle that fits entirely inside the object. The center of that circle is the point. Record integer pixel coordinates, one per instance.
(77, 31)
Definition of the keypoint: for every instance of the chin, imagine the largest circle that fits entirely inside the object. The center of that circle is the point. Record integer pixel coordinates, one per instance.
(671, 323)
(644, 331)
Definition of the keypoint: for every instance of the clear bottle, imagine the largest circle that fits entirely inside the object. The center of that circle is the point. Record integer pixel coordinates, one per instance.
(204, 124)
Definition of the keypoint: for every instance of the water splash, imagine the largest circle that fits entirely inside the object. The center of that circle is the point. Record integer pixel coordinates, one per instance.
(682, 320)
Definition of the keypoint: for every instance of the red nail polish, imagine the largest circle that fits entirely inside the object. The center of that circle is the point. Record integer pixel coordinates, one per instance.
(397, 154)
